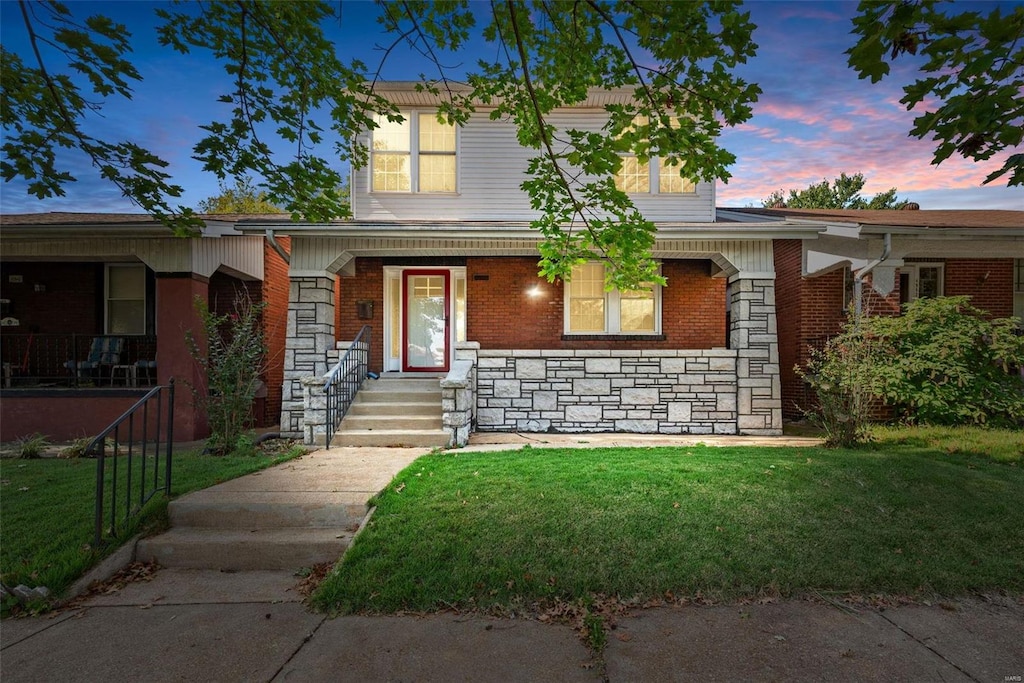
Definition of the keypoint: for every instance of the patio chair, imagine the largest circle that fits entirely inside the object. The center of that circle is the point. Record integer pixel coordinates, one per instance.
(147, 369)
(104, 351)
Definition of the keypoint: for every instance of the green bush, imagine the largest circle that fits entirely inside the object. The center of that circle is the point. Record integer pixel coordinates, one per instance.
(945, 362)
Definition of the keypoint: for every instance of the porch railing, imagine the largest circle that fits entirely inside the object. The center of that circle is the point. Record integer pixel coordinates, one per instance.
(60, 360)
(129, 470)
(344, 380)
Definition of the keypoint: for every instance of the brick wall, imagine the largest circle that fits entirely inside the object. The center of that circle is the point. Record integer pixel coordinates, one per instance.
(275, 324)
(366, 285)
(501, 315)
(989, 283)
(72, 302)
(789, 293)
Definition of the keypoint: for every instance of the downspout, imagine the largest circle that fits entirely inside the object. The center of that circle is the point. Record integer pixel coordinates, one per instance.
(858, 280)
(279, 249)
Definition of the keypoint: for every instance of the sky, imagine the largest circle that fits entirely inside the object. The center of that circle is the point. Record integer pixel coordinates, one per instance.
(814, 120)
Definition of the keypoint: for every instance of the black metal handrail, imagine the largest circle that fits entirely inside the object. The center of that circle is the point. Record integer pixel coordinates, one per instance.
(138, 429)
(344, 380)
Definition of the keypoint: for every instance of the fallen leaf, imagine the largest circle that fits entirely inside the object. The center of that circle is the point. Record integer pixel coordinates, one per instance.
(624, 637)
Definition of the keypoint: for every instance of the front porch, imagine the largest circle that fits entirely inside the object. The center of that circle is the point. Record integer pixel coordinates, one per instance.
(502, 336)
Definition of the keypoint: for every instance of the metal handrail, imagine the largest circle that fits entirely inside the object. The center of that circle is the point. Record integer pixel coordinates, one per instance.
(344, 380)
(153, 433)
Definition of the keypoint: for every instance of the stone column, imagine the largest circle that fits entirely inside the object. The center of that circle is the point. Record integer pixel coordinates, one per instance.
(310, 335)
(754, 335)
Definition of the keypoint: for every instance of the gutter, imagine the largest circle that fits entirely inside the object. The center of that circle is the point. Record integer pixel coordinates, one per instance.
(277, 246)
(858, 280)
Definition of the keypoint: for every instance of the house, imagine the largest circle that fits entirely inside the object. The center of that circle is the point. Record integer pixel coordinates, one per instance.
(72, 285)
(440, 262)
(910, 254)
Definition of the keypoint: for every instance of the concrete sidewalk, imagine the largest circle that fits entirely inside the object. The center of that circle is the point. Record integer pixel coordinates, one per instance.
(250, 626)
(187, 624)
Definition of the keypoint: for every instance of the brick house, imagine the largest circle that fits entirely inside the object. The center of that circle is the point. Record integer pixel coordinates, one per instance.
(931, 253)
(70, 281)
(440, 262)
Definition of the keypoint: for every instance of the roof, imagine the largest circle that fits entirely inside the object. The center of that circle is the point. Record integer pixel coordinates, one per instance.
(952, 218)
(69, 219)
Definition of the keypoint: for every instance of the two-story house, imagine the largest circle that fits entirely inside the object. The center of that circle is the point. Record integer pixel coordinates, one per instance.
(439, 254)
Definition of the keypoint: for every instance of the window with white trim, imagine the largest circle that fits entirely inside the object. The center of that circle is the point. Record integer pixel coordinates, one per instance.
(921, 281)
(654, 177)
(417, 154)
(125, 299)
(590, 309)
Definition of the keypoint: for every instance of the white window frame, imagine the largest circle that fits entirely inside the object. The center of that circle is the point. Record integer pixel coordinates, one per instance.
(912, 270)
(107, 298)
(655, 167)
(412, 118)
(612, 314)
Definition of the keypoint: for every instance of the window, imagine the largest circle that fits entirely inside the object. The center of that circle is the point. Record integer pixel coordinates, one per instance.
(921, 281)
(657, 177)
(1018, 289)
(126, 299)
(414, 155)
(592, 310)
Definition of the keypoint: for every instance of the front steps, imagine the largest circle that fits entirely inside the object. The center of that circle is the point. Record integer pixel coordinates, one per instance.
(395, 412)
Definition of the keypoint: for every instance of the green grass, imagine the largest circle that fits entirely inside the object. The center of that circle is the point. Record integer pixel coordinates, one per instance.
(47, 511)
(1004, 445)
(493, 530)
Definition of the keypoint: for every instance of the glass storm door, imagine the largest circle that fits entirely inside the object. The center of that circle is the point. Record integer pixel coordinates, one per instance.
(425, 331)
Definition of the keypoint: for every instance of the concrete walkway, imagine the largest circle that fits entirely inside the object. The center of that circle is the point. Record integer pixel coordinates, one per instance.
(187, 624)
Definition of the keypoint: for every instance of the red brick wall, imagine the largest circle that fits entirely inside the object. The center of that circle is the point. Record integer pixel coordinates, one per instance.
(366, 285)
(275, 324)
(789, 294)
(72, 302)
(500, 315)
(989, 283)
(65, 416)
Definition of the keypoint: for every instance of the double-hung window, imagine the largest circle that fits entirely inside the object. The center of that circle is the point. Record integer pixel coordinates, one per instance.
(590, 309)
(654, 177)
(126, 299)
(413, 155)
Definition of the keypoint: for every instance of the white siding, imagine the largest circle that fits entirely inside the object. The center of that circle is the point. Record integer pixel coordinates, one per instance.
(491, 167)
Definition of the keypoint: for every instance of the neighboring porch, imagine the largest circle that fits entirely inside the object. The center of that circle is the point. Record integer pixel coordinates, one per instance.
(707, 363)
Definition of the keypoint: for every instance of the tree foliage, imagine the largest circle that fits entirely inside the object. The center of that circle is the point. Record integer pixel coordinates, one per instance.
(241, 198)
(291, 86)
(970, 81)
(842, 193)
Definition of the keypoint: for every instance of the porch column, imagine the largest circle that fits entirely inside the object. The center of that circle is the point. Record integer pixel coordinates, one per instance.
(310, 335)
(753, 333)
(175, 315)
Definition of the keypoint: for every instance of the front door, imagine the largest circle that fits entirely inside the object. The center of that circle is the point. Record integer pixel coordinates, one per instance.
(425, 332)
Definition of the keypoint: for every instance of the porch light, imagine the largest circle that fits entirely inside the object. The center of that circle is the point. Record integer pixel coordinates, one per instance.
(534, 291)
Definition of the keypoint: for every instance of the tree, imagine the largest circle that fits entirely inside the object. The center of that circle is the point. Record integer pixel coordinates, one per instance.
(242, 198)
(290, 85)
(841, 193)
(971, 80)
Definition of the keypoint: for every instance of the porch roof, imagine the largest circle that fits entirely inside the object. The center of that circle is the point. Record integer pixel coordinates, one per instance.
(969, 222)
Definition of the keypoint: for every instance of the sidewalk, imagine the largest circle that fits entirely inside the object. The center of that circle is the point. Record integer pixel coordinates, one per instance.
(251, 626)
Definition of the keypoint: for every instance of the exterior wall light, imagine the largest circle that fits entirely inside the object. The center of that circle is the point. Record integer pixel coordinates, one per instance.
(534, 291)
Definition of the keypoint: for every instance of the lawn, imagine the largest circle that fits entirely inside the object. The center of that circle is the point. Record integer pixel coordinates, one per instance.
(493, 530)
(47, 511)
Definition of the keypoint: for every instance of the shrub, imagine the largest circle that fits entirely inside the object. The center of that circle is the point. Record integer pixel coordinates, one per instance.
(31, 446)
(945, 362)
(232, 362)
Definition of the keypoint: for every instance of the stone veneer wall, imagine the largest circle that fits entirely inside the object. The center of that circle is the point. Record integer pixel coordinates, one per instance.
(308, 345)
(646, 391)
(754, 335)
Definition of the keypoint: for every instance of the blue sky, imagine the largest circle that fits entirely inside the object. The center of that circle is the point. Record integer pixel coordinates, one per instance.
(814, 120)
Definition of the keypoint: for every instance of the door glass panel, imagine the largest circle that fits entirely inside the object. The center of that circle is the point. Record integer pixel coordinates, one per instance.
(426, 312)
(929, 282)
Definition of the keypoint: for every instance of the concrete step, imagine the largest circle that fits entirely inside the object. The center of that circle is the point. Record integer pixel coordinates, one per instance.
(410, 408)
(237, 550)
(393, 422)
(268, 509)
(378, 396)
(409, 385)
(392, 438)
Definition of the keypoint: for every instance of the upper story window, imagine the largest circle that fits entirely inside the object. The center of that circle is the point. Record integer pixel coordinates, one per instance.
(414, 155)
(592, 310)
(126, 299)
(654, 177)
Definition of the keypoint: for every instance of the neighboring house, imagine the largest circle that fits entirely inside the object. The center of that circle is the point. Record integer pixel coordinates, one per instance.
(439, 255)
(931, 253)
(95, 310)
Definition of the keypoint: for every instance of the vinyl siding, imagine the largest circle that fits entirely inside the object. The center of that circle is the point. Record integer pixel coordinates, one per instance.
(491, 167)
